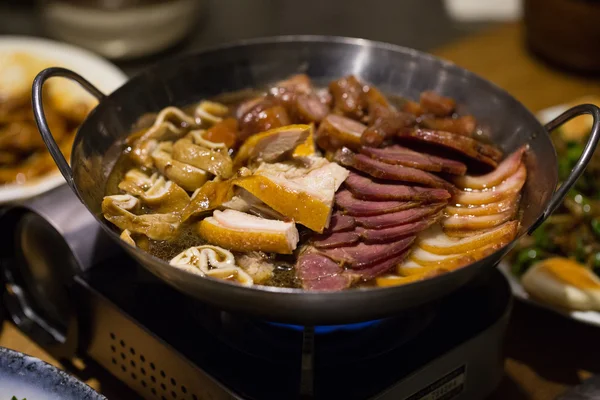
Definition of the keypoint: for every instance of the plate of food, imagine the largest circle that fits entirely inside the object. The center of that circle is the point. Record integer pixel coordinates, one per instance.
(26, 377)
(557, 266)
(313, 180)
(26, 168)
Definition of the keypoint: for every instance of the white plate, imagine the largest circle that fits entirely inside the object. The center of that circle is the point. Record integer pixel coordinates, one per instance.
(104, 75)
(587, 317)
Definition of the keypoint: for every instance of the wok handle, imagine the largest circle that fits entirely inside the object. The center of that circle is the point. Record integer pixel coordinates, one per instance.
(584, 159)
(40, 117)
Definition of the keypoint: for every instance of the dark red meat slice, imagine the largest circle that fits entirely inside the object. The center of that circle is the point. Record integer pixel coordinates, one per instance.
(337, 239)
(381, 170)
(363, 255)
(396, 232)
(402, 156)
(399, 217)
(364, 188)
(386, 127)
(462, 125)
(340, 222)
(356, 207)
(433, 103)
(467, 146)
(317, 272)
(377, 269)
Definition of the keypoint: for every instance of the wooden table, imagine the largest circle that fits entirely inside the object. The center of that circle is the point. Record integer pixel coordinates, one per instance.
(546, 353)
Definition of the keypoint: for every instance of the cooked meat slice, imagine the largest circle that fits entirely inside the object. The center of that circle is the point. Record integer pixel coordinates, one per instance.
(380, 268)
(433, 103)
(302, 194)
(386, 127)
(272, 145)
(215, 162)
(507, 189)
(211, 195)
(187, 176)
(309, 108)
(413, 108)
(165, 197)
(299, 83)
(317, 272)
(337, 131)
(365, 189)
(245, 202)
(267, 114)
(467, 146)
(484, 209)
(339, 223)
(399, 217)
(505, 169)
(464, 222)
(462, 125)
(348, 97)
(225, 132)
(336, 239)
(239, 231)
(381, 170)
(363, 255)
(360, 208)
(409, 158)
(394, 233)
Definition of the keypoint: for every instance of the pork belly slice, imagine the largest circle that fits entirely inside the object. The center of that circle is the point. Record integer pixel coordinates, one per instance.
(472, 148)
(399, 217)
(402, 156)
(358, 208)
(365, 189)
(510, 188)
(505, 169)
(382, 170)
(317, 272)
(238, 231)
(371, 236)
(363, 255)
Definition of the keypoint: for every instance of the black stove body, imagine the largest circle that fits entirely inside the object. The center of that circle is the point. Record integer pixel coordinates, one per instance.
(166, 345)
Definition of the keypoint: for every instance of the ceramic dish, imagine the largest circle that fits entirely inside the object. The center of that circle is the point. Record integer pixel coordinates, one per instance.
(104, 74)
(26, 377)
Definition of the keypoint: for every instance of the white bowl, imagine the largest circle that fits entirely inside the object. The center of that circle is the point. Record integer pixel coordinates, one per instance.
(104, 75)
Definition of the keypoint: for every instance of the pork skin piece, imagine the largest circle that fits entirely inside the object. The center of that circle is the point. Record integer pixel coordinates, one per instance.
(472, 148)
(402, 156)
(366, 189)
(380, 170)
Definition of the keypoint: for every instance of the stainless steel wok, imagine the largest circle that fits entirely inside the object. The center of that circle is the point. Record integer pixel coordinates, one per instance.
(190, 78)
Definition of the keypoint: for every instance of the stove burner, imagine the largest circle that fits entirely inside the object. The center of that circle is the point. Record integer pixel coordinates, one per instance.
(325, 329)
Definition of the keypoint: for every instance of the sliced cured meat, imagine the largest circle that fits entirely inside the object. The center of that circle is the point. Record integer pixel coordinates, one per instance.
(477, 222)
(348, 97)
(507, 189)
(363, 255)
(337, 131)
(396, 232)
(317, 272)
(506, 168)
(366, 189)
(386, 127)
(467, 146)
(379, 268)
(402, 156)
(462, 125)
(381, 170)
(399, 217)
(340, 223)
(359, 208)
(337, 239)
(433, 103)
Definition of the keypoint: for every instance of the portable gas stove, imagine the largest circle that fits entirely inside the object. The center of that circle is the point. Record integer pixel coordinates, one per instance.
(166, 345)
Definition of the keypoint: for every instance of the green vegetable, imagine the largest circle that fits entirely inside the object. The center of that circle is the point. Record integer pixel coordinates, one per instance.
(542, 238)
(595, 223)
(525, 259)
